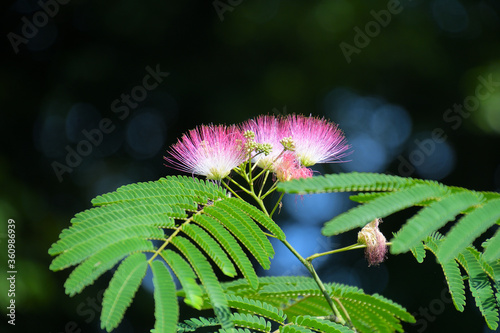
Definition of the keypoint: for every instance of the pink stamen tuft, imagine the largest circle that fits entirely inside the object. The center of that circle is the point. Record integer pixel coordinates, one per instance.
(288, 168)
(316, 140)
(208, 150)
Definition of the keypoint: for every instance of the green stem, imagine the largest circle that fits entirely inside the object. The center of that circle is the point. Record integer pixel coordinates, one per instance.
(231, 190)
(316, 278)
(263, 182)
(347, 248)
(343, 249)
(169, 239)
(259, 199)
(277, 204)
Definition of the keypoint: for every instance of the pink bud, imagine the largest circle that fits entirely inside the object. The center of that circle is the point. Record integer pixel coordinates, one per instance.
(376, 248)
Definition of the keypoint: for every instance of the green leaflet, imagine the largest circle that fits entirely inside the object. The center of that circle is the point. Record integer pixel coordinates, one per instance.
(230, 245)
(431, 218)
(480, 288)
(193, 324)
(380, 207)
(186, 276)
(451, 273)
(256, 307)
(346, 182)
(211, 247)
(243, 233)
(295, 329)
(87, 272)
(122, 289)
(208, 279)
(418, 252)
(492, 249)
(166, 307)
(321, 324)
(469, 228)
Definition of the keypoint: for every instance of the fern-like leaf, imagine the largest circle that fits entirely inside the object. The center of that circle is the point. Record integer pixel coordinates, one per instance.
(321, 325)
(193, 324)
(380, 207)
(480, 288)
(300, 296)
(181, 212)
(208, 279)
(469, 228)
(244, 233)
(122, 289)
(230, 245)
(192, 291)
(211, 247)
(431, 218)
(492, 247)
(94, 266)
(451, 272)
(166, 306)
(349, 182)
(256, 307)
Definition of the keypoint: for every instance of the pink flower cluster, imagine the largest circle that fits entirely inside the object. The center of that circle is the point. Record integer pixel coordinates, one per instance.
(292, 143)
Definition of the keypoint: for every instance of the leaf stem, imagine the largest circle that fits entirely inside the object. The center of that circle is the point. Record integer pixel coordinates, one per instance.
(307, 263)
(316, 278)
(277, 204)
(169, 239)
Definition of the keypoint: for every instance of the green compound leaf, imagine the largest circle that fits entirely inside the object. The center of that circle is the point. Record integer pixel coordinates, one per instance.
(121, 290)
(172, 218)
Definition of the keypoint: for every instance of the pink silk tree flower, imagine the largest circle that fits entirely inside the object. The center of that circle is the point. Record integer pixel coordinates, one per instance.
(287, 168)
(208, 150)
(267, 129)
(316, 140)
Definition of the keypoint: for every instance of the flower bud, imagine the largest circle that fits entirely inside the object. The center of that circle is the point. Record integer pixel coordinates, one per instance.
(375, 242)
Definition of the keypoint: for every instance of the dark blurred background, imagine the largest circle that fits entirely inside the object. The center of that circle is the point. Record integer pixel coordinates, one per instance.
(92, 93)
